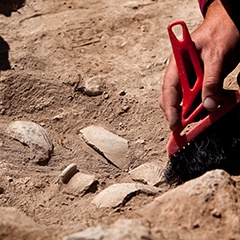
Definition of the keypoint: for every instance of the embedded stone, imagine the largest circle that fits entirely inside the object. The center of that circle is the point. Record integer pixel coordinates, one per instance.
(93, 86)
(150, 173)
(81, 184)
(118, 194)
(109, 145)
(35, 137)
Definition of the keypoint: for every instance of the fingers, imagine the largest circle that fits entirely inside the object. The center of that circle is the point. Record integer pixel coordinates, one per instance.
(218, 43)
(170, 99)
(212, 84)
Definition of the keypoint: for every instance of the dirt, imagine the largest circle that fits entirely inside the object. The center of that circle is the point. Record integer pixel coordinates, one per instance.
(49, 50)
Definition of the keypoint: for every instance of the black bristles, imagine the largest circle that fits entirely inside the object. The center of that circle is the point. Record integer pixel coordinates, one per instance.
(218, 147)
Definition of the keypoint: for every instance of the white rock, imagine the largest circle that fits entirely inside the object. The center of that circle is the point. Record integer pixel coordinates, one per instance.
(118, 194)
(68, 172)
(93, 86)
(34, 136)
(109, 145)
(150, 173)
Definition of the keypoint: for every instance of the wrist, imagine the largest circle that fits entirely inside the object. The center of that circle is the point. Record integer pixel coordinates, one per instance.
(219, 16)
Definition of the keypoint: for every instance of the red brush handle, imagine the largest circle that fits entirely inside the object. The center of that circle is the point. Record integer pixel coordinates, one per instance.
(182, 48)
(185, 48)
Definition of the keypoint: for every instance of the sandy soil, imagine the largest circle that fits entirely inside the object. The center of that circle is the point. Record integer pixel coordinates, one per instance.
(49, 50)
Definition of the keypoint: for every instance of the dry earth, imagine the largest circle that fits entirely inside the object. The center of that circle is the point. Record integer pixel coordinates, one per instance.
(50, 50)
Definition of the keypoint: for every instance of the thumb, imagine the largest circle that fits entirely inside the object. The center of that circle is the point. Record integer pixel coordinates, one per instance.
(212, 87)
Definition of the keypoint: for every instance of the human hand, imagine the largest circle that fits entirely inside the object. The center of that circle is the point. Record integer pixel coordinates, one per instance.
(217, 41)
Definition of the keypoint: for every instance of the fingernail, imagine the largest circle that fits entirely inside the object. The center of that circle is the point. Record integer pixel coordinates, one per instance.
(210, 104)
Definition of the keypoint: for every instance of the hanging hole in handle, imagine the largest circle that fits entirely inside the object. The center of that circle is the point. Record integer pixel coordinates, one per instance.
(178, 31)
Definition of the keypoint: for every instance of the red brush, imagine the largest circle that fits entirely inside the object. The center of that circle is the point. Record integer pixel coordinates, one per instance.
(184, 51)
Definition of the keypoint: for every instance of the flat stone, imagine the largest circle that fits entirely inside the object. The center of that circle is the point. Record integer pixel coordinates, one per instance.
(118, 194)
(109, 145)
(80, 184)
(34, 136)
(122, 229)
(150, 173)
(199, 209)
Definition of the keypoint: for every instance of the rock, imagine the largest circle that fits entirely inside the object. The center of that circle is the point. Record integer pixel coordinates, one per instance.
(1, 190)
(93, 86)
(59, 116)
(109, 145)
(199, 209)
(137, 4)
(122, 229)
(122, 93)
(35, 137)
(132, 4)
(81, 184)
(68, 172)
(118, 194)
(149, 173)
(14, 223)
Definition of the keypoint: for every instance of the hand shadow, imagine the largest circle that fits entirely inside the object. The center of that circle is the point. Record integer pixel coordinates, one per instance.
(9, 6)
(6, 8)
(4, 50)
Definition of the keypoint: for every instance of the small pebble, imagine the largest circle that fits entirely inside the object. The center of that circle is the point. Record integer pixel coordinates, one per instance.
(68, 172)
(58, 117)
(216, 213)
(93, 87)
(122, 93)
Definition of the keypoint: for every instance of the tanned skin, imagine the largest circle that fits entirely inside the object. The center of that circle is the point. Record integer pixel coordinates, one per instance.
(217, 41)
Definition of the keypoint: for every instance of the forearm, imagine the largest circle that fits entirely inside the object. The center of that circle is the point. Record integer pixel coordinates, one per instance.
(231, 6)
(218, 41)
